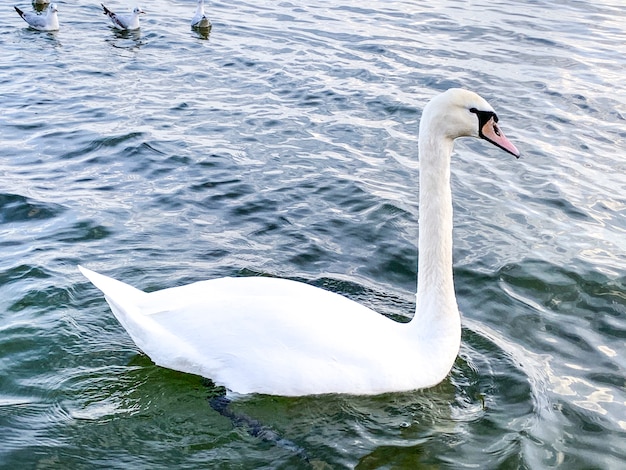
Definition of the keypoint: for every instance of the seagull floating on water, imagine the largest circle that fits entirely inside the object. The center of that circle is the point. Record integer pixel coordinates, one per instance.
(124, 22)
(200, 20)
(282, 337)
(47, 22)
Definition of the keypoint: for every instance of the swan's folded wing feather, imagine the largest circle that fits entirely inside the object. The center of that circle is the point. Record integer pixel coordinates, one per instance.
(122, 292)
(258, 334)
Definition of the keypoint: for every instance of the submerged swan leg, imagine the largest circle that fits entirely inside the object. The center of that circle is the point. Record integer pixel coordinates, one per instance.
(219, 402)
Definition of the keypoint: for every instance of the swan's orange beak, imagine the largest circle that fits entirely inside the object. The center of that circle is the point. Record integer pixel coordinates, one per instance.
(492, 133)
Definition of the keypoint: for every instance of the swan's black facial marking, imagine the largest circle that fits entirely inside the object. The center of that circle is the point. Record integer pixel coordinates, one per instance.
(488, 129)
(484, 117)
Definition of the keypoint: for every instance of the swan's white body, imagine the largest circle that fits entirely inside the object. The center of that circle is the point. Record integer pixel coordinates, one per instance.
(124, 22)
(281, 337)
(47, 22)
(200, 20)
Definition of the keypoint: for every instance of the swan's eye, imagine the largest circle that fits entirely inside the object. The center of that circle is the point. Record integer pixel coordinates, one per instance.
(484, 116)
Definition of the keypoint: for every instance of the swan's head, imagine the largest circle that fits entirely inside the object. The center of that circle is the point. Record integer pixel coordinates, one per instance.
(462, 113)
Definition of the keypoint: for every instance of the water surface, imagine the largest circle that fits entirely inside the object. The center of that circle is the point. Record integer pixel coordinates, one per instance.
(284, 143)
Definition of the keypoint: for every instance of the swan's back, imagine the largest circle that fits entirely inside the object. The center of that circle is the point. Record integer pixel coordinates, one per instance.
(267, 335)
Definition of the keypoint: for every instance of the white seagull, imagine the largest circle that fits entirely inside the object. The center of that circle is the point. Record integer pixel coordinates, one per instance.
(124, 22)
(200, 20)
(47, 22)
(281, 337)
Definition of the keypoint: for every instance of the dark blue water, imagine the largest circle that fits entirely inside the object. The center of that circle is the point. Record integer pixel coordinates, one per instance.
(284, 143)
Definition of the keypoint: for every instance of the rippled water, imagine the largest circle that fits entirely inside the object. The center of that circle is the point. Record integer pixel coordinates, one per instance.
(284, 144)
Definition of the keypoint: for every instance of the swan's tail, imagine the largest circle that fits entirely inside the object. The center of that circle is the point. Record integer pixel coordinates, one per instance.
(114, 290)
(132, 307)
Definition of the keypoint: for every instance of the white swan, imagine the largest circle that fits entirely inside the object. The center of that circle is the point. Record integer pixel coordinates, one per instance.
(281, 337)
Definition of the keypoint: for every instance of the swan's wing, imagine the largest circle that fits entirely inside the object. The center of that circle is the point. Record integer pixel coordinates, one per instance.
(263, 335)
(276, 336)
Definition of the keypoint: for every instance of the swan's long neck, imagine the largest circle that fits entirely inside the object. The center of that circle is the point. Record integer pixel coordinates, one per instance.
(436, 302)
